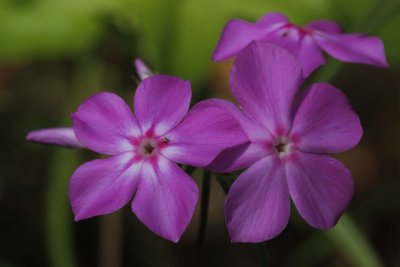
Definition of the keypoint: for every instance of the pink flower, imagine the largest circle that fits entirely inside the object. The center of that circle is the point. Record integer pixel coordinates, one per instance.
(305, 42)
(289, 140)
(143, 150)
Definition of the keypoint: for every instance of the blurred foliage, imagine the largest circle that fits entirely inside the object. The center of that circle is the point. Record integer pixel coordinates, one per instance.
(175, 36)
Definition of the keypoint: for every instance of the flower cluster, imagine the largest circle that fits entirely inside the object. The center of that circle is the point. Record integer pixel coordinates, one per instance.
(277, 135)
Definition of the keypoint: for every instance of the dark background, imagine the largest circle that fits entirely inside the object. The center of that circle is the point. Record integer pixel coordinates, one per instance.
(55, 53)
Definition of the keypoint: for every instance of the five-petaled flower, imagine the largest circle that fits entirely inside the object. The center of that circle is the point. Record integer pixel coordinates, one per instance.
(143, 150)
(288, 141)
(304, 42)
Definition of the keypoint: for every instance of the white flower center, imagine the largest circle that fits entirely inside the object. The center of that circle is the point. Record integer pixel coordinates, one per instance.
(283, 147)
(147, 147)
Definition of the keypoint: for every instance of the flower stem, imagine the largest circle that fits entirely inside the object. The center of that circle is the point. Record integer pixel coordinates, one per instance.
(352, 244)
(205, 199)
(59, 228)
(110, 240)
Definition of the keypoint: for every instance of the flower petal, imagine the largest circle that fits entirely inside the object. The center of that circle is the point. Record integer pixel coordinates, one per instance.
(324, 26)
(325, 121)
(246, 154)
(353, 48)
(142, 70)
(237, 34)
(105, 124)
(104, 185)
(207, 130)
(165, 199)
(310, 55)
(55, 136)
(272, 18)
(321, 188)
(264, 80)
(300, 44)
(161, 102)
(258, 204)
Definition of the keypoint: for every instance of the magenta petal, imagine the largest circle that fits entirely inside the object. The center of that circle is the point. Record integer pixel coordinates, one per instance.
(309, 55)
(54, 136)
(258, 204)
(161, 102)
(105, 124)
(243, 155)
(235, 36)
(104, 185)
(207, 130)
(321, 188)
(353, 48)
(165, 199)
(272, 18)
(301, 45)
(325, 121)
(324, 26)
(264, 80)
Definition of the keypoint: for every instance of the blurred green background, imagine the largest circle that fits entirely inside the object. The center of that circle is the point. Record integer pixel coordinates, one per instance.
(55, 53)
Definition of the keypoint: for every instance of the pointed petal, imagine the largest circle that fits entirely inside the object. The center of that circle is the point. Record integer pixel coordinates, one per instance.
(353, 48)
(142, 69)
(54, 136)
(264, 80)
(324, 26)
(207, 130)
(310, 55)
(165, 199)
(237, 34)
(321, 188)
(105, 124)
(258, 204)
(325, 121)
(104, 185)
(161, 102)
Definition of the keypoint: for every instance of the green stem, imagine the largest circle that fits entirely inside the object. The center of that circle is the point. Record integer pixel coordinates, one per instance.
(352, 244)
(59, 232)
(58, 220)
(205, 199)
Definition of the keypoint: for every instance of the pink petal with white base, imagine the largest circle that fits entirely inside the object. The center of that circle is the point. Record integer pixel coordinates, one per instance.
(105, 124)
(261, 84)
(103, 186)
(165, 199)
(161, 102)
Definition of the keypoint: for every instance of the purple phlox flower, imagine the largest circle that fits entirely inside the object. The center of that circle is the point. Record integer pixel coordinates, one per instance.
(304, 42)
(142, 69)
(289, 140)
(144, 148)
